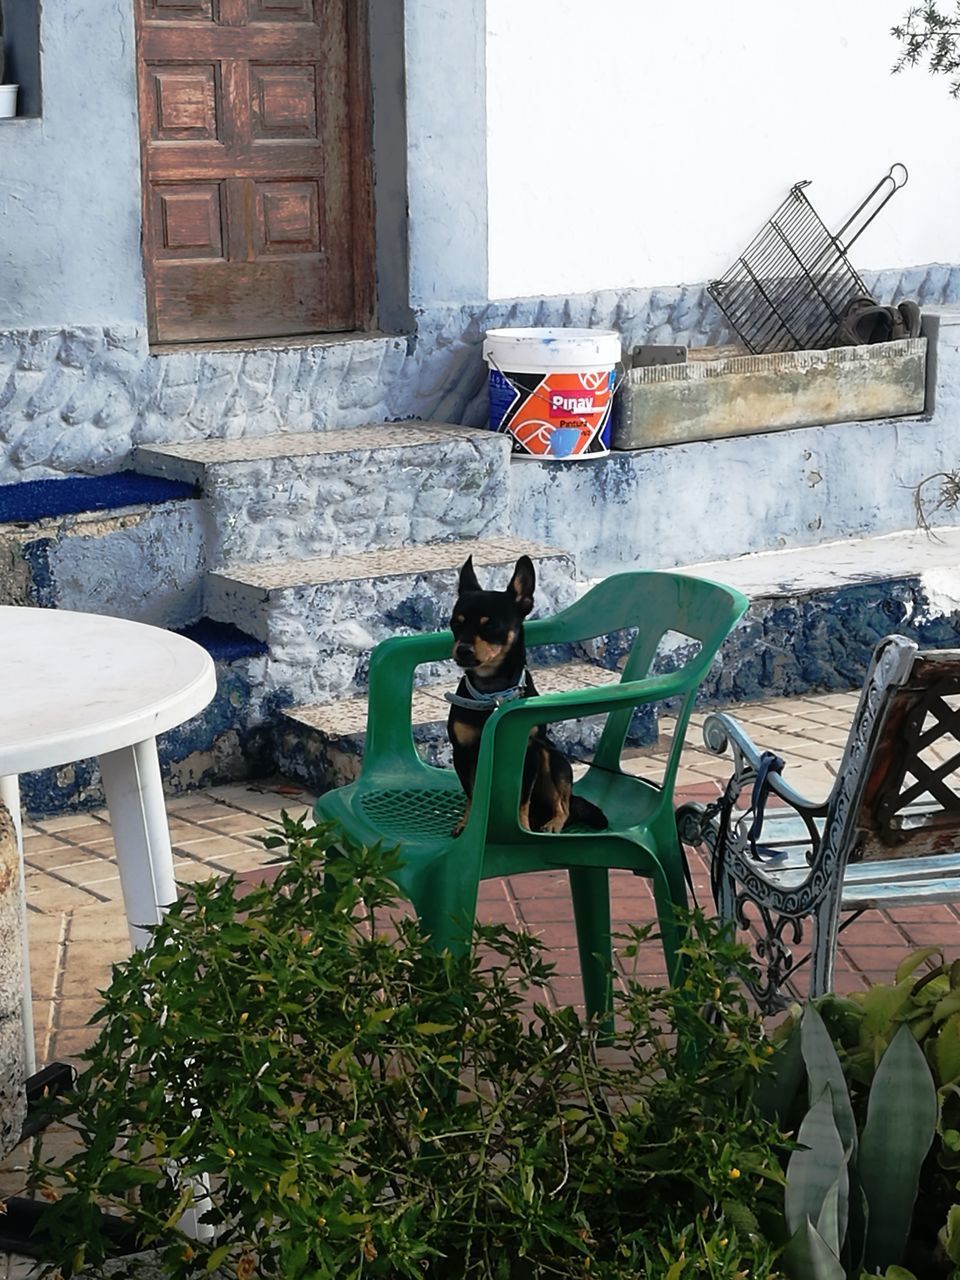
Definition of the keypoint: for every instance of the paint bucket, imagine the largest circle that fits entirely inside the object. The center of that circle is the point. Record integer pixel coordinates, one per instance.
(8, 101)
(552, 390)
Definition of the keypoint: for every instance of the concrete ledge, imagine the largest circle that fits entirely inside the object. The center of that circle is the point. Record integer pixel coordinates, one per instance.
(745, 394)
(146, 562)
(816, 613)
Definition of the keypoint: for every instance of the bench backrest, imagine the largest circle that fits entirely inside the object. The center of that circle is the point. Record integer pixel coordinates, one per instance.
(898, 788)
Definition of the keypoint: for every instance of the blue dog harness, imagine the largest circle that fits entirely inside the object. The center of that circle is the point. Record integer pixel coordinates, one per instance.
(478, 701)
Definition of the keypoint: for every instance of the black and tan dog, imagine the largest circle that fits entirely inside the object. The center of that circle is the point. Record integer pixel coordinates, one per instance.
(488, 644)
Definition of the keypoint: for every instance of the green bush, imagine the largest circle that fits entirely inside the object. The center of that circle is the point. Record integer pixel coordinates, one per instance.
(359, 1105)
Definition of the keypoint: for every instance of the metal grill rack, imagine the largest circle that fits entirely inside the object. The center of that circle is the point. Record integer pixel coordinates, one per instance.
(791, 286)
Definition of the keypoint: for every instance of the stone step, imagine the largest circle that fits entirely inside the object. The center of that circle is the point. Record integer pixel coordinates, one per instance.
(321, 746)
(119, 544)
(321, 617)
(332, 493)
(816, 612)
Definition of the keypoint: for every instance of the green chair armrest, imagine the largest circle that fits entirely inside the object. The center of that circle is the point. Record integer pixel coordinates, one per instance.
(505, 736)
(389, 745)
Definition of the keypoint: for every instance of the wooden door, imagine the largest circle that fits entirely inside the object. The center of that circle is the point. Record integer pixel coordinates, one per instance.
(254, 136)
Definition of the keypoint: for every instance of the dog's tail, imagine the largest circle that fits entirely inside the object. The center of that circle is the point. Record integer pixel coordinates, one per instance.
(585, 814)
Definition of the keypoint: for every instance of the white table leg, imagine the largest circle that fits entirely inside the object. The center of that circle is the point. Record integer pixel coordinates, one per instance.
(10, 795)
(141, 834)
(138, 816)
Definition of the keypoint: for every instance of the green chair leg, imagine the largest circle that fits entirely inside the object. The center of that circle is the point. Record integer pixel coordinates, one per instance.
(590, 890)
(670, 894)
(447, 921)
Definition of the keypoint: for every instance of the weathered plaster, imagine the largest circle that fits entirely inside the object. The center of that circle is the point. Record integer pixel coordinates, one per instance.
(446, 149)
(79, 400)
(70, 180)
(148, 562)
(334, 493)
(710, 500)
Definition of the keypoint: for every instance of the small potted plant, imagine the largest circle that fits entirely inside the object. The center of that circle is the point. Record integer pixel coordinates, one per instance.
(8, 92)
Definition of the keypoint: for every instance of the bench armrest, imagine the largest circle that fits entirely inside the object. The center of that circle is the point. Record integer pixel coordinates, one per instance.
(721, 731)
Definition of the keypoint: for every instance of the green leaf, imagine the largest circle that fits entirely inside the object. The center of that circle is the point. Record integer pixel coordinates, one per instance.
(741, 1217)
(831, 1223)
(946, 1051)
(434, 1028)
(219, 1255)
(808, 1257)
(949, 1235)
(947, 1005)
(824, 1071)
(914, 960)
(817, 1165)
(778, 1087)
(881, 1004)
(900, 1127)
(379, 1016)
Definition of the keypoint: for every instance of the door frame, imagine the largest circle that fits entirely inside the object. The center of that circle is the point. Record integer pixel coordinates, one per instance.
(363, 244)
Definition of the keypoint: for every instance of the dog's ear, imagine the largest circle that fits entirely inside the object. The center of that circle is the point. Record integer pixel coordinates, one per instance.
(468, 579)
(523, 584)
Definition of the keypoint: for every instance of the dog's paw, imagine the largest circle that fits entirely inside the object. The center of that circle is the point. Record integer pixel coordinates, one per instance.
(458, 829)
(554, 824)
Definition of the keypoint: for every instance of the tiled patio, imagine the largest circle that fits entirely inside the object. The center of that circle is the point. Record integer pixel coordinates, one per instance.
(77, 927)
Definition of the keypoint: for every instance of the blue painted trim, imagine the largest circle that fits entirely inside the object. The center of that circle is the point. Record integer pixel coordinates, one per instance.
(222, 640)
(33, 500)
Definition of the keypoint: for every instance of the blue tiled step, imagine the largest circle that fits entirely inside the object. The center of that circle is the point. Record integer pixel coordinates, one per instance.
(33, 500)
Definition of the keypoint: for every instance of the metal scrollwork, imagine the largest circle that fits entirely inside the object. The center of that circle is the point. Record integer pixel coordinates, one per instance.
(745, 881)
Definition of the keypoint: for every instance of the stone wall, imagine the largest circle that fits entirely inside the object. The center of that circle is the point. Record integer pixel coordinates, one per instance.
(79, 400)
(13, 1107)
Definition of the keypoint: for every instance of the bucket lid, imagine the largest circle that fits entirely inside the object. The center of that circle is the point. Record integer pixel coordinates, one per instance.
(553, 347)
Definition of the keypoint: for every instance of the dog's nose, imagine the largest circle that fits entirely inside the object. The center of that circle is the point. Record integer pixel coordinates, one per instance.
(463, 655)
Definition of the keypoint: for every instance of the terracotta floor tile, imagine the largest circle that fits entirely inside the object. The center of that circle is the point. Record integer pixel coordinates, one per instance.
(868, 931)
(931, 913)
(90, 833)
(882, 960)
(59, 822)
(50, 895)
(234, 823)
(935, 934)
(540, 911)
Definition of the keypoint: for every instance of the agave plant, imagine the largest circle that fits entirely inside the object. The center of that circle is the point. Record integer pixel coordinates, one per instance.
(850, 1194)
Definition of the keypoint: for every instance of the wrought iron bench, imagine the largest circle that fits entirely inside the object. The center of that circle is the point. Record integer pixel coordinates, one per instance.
(888, 833)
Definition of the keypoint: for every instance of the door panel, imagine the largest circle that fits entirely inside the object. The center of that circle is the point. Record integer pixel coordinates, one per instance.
(257, 218)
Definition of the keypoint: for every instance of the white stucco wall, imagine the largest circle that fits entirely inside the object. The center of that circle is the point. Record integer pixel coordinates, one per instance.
(70, 180)
(446, 150)
(642, 144)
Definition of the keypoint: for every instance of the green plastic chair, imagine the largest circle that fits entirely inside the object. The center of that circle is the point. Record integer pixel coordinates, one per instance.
(403, 801)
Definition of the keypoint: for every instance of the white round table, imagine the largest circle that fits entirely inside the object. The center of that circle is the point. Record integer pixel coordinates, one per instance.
(74, 685)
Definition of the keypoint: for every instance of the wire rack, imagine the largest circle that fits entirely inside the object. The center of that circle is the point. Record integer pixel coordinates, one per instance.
(792, 285)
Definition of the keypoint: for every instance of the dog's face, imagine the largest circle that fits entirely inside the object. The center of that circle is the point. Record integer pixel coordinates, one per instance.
(486, 625)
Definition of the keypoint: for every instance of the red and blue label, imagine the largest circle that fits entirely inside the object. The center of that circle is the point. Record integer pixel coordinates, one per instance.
(553, 415)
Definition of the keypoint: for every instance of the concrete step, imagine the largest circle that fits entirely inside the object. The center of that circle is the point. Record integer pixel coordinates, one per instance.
(332, 493)
(322, 746)
(123, 544)
(321, 617)
(817, 612)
